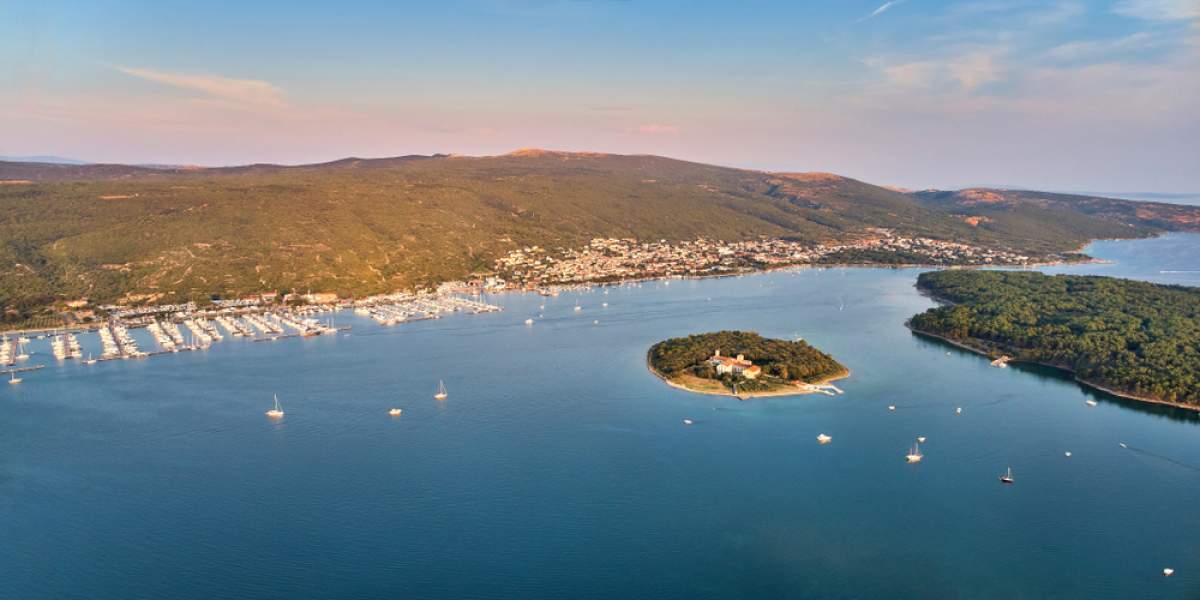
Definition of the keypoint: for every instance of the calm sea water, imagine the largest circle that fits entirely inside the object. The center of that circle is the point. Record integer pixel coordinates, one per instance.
(559, 467)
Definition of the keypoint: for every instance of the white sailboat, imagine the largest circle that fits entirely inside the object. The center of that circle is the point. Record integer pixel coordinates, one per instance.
(441, 391)
(277, 411)
(1007, 477)
(14, 380)
(914, 454)
(90, 360)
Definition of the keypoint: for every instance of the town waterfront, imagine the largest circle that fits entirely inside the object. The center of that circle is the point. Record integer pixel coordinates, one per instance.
(559, 467)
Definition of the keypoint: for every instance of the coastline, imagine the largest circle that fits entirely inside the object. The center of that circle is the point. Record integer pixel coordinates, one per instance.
(1067, 370)
(85, 327)
(812, 388)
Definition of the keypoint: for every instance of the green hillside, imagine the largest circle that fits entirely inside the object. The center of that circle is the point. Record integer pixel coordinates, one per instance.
(1134, 337)
(362, 226)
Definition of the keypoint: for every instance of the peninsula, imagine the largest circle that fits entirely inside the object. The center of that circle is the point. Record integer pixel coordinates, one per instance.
(1133, 339)
(744, 364)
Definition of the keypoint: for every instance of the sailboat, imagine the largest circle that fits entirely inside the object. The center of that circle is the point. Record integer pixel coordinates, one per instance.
(90, 360)
(277, 411)
(1007, 477)
(441, 391)
(395, 412)
(914, 454)
(14, 380)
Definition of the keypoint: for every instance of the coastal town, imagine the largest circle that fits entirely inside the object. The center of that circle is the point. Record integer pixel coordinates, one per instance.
(612, 259)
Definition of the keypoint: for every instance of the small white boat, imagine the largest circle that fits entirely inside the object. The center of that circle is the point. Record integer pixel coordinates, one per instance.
(277, 411)
(891, 407)
(1122, 444)
(1167, 572)
(1067, 454)
(1090, 402)
(688, 422)
(921, 439)
(15, 380)
(90, 360)
(578, 308)
(441, 391)
(914, 454)
(1007, 477)
(529, 321)
(596, 322)
(958, 411)
(824, 439)
(395, 412)
(604, 304)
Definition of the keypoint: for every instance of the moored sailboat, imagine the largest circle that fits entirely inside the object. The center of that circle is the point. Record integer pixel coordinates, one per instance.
(277, 411)
(914, 454)
(441, 391)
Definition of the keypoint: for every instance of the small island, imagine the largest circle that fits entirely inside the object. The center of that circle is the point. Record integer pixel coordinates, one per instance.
(1129, 338)
(744, 364)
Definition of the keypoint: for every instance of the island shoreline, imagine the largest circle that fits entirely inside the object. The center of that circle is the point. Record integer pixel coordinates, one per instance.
(799, 391)
(1066, 370)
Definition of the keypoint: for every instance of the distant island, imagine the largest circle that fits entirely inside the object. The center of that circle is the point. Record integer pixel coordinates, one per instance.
(1130, 338)
(744, 364)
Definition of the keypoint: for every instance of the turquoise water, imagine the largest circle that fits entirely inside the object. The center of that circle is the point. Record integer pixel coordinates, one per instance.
(558, 467)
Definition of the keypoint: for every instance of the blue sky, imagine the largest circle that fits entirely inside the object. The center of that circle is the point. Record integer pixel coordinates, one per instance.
(917, 93)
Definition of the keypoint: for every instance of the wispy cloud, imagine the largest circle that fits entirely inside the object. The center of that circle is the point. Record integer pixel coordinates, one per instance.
(1090, 49)
(248, 93)
(882, 9)
(1158, 10)
(965, 72)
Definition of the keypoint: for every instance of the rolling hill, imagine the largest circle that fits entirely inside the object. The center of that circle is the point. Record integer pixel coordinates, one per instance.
(359, 226)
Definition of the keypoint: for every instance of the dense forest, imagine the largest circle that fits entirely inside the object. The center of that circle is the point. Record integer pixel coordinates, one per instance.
(1133, 337)
(779, 359)
(360, 226)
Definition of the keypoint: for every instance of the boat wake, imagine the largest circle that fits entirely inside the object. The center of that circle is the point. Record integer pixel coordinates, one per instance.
(1178, 463)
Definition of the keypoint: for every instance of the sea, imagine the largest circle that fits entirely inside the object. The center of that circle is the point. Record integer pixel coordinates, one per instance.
(559, 467)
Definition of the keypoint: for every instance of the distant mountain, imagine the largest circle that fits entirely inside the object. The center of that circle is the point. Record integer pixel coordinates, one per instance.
(992, 204)
(358, 226)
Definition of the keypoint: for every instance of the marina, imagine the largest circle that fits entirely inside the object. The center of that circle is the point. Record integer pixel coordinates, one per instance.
(185, 328)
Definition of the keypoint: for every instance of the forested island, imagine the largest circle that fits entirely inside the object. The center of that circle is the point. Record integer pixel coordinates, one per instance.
(743, 364)
(1135, 339)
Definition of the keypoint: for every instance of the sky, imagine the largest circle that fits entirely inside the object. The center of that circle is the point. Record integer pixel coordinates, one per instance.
(1049, 94)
